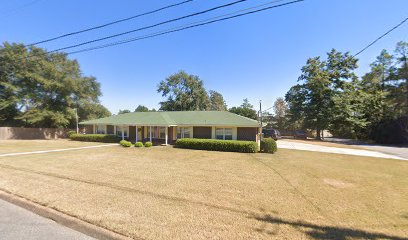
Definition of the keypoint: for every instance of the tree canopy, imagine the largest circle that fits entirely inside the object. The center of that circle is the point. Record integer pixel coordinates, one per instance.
(217, 102)
(44, 90)
(186, 92)
(330, 96)
(321, 80)
(142, 108)
(246, 109)
(183, 92)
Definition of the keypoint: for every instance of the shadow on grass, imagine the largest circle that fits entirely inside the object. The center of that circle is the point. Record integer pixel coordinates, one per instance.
(316, 231)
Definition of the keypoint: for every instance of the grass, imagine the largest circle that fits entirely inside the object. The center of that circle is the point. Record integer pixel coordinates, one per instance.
(169, 193)
(15, 146)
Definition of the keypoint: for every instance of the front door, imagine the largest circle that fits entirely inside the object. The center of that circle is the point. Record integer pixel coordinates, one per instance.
(139, 134)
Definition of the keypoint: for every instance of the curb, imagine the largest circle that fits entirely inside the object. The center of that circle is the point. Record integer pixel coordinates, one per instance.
(62, 218)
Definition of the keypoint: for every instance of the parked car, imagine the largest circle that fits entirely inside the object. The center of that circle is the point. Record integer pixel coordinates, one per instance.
(300, 134)
(273, 133)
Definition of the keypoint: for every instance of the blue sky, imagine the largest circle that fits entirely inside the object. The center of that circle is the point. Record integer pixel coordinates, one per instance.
(255, 57)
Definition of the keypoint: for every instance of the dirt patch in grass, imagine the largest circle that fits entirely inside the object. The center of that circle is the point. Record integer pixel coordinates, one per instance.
(337, 183)
(168, 193)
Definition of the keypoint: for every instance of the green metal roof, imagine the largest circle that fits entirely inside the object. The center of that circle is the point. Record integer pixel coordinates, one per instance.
(177, 118)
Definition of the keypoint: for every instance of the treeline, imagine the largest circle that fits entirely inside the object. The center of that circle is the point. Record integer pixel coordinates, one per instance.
(329, 96)
(40, 89)
(186, 92)
(45, 90)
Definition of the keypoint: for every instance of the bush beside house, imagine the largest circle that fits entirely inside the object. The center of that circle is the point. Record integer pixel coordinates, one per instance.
(125, 143)
(268, 145)
(217, 145)
(138, 144)
(105, 138)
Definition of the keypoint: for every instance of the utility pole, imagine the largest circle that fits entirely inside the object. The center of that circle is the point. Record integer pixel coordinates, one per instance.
(260, 118)
(76, 117)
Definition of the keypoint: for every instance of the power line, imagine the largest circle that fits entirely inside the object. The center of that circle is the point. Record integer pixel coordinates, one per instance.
(177, 29)
(385, 34)
(147, 27)
(110, 23)
(182, 27)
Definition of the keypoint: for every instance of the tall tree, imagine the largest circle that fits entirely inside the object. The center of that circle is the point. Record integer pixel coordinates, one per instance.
(321, 80)
(400, 82)
(184, 92)
(43, 90)
(141, 108)
(246, 109)
(280, 109)
(217, 102)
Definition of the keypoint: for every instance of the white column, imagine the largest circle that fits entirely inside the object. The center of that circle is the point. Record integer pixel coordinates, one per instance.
(136, 132)
(150, 133)
(93, 128)
(167, 134)
(123, 132)
(114, 130)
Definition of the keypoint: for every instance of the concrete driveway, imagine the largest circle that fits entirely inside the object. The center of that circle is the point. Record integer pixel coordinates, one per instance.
(320, 148)
(17, 223)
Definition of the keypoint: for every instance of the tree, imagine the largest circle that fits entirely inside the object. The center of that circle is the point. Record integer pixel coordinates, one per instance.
(40, 89)
(349, 107)
(400, 82)
(312, 100)
(184, 92)
(280, 109)
(124, 111)
(217, 102)
(142, 108)
(246, 109)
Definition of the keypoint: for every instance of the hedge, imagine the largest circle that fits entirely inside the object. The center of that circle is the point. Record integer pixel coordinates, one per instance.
(138, 144)
(268, 145)
(69, 133)
(217, 145)
(125, 143)
(106, 138)
(148, 144)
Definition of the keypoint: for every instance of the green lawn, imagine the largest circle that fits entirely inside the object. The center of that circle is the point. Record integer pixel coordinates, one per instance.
(169, 193)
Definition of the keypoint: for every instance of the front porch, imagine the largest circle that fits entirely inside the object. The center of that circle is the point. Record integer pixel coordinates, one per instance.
(158, 135)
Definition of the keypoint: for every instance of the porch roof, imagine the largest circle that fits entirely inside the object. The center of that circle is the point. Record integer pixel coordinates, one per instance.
(177, 118)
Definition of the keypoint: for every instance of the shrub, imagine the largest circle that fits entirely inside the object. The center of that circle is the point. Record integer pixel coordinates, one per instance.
(268, 145)
(106, 138)
(217, 145)
(69, 133)
(139, 144)
(148, 144)
(125, 143)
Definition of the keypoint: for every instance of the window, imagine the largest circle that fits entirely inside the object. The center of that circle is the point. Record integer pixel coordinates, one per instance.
(184, 132)
(157, 132)
(119, 131)
(162, 132)
(100, 129)
(223, 133)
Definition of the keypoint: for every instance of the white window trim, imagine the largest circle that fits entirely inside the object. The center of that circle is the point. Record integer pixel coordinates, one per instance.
(223, 132)
(98, 126)
(182, 131)
(120, 135)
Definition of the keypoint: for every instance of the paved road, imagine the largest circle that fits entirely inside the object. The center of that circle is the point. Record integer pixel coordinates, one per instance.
(17, 223)
(320, 148)
(393, 150)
